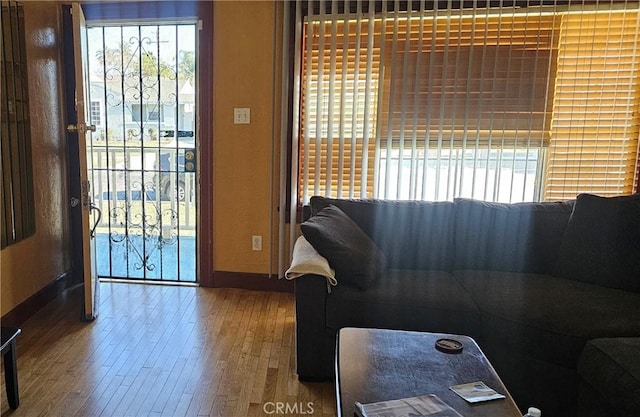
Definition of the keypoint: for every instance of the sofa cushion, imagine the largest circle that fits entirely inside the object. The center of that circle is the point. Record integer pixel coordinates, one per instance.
(408, 300)
(520, 237)
(412, 234)
(611, 367)
(602, 242)
(547, 317)
(355, 258)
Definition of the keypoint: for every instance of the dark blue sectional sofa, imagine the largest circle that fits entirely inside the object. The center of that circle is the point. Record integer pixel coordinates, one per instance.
(533, 283)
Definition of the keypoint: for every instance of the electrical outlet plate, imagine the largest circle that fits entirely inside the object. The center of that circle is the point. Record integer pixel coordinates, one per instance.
(256, 243)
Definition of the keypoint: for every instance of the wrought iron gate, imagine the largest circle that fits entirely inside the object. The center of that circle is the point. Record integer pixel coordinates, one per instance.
(143, 104)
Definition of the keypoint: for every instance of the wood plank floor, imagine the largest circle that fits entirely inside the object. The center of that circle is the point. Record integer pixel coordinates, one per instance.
(165, 351)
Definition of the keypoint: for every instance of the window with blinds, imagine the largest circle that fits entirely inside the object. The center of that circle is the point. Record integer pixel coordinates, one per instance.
(501, 104)
(465, 100)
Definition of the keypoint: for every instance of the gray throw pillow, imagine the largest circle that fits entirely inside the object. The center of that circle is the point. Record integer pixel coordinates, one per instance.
(602, 242)
(354, 256)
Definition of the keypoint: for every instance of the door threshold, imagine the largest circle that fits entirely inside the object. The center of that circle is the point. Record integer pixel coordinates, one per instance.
(150, 282)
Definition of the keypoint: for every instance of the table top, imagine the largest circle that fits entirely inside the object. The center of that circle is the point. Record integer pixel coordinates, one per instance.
(7, 335)
(377, 365)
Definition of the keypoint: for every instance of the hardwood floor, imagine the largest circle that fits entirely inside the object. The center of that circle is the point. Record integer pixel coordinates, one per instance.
(165, 351)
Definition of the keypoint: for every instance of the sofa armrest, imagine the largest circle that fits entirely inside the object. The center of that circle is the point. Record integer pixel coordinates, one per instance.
(310, 299)
(609, 369)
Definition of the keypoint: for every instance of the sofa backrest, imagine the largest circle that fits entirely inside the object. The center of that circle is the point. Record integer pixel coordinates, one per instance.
(411, 234)
(464, 234)
(520, 237)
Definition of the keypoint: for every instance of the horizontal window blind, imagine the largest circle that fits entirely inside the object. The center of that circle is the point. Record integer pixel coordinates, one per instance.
(470, 79)
(594, 146)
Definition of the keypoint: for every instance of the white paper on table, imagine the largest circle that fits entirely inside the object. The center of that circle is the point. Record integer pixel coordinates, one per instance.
(475, 392)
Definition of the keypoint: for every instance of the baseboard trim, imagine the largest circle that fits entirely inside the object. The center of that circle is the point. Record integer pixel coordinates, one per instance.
(249, 281)
(26, 309)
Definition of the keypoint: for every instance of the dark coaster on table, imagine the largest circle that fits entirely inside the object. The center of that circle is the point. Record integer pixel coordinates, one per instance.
(449, 346)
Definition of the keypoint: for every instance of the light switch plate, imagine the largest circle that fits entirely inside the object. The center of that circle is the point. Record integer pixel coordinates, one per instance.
(241, 116)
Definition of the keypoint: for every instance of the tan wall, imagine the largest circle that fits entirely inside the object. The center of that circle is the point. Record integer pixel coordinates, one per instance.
(244, 56)
(30, 265)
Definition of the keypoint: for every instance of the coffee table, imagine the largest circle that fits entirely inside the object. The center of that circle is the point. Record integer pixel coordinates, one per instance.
(377, 365)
